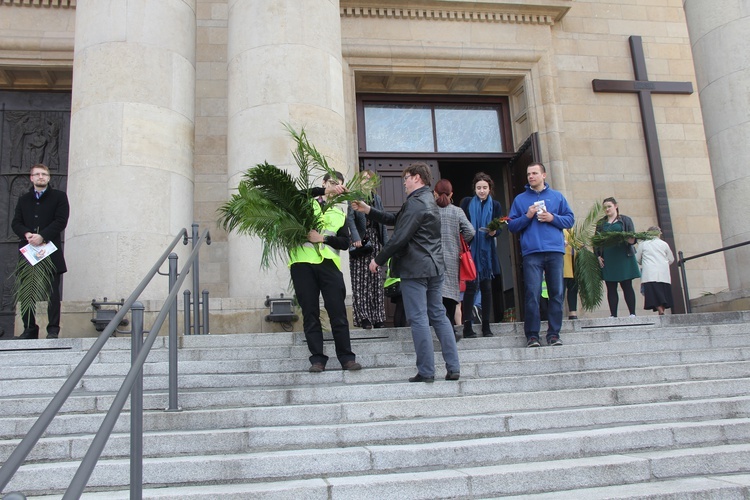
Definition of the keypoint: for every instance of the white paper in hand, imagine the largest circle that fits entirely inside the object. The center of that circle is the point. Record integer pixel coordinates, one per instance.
(37, 254)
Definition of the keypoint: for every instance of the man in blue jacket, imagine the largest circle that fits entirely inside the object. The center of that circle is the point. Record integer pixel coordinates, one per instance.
(538, 216)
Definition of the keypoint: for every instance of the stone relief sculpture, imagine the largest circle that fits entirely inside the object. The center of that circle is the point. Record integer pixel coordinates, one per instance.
(34, 138)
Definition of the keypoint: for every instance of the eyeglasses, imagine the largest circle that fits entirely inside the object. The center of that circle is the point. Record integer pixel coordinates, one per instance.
(407, 176)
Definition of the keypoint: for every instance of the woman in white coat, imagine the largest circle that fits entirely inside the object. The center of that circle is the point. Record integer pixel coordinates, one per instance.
(655, 257)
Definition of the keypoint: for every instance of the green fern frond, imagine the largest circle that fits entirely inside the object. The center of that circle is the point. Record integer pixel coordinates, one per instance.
(32, 284)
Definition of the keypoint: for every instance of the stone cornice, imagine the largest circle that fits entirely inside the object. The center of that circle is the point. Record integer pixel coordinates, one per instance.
(39, 3)
(545, 12)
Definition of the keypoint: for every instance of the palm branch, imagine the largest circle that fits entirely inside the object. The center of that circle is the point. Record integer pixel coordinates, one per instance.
(587, 273)
(32, 284)
(614, 238)
(588, 276)
(276, 207)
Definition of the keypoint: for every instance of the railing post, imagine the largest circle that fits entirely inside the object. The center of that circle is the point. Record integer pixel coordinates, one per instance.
(173, 336)
(685, 293)
(204, 304)
(186, 298)
(136, 407)
(196, 285)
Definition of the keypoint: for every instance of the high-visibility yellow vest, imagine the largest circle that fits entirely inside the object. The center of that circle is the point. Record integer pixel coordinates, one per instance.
(315, 253)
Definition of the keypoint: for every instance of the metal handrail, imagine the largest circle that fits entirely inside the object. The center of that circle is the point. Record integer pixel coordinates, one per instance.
(17, 457)
(681, 263)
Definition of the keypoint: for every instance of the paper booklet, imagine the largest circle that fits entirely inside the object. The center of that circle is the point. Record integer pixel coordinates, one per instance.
(37, 254)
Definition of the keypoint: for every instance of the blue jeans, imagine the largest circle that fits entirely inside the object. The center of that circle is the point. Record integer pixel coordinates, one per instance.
(423, 304)
(536, 267)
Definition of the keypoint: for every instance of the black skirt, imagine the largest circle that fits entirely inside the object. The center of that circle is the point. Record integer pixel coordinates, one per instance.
(657, 294)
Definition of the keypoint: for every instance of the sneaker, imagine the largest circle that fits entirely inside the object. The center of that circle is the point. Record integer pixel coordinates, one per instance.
(420, 378)
(572, 317)
(554, 341)
(351, 366)
(488, 333)
(632, 315)
(452, 375)
(317, 368)
(533, 342)
(52, 335)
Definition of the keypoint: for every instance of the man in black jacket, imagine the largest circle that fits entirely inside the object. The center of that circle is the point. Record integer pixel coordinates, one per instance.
(41, 216)
(416, 253)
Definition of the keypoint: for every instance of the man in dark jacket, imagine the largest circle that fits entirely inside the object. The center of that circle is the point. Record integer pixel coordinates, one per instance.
(416, 253)
(40, 217)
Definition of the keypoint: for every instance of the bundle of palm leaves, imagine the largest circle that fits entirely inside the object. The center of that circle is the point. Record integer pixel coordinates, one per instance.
(276, 207)
(32, 284)
(587, 271)
(498, 223)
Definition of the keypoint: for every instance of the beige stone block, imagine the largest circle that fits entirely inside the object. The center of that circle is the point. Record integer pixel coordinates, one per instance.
(277, 23)
(211, 192)
(217, 35)
(694, 132)
(95, 138)
(211, 145)
(211, 126)
(157, 137)
(596, 26)
(100, 23)
(152, 84)
(167, 24)
(211, 89)
(210, 166)
(627, 27)
(213, 107)
(210, 52)
(704, 17)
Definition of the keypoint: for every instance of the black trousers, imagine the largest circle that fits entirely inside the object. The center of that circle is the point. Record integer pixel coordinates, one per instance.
(310, 281)
(485, 286)
(53, 310)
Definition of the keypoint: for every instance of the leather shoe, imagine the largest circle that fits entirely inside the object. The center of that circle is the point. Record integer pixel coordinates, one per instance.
(420, 378)
(379, 324)
(488, 334)
(452, 375)
(29, 333)
(52, 335)
(351, 366)
(317, 368)
(365, 323)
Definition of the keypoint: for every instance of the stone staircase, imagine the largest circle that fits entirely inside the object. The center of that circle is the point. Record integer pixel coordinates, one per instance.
(647, 407)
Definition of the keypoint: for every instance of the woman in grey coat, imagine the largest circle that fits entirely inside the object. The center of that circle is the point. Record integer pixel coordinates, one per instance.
(454, 222)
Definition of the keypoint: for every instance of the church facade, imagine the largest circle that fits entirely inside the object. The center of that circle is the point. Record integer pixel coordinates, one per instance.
(171, 101)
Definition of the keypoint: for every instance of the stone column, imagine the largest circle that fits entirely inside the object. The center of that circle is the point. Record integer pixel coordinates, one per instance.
(718, 34)
(284, 64)
(131, 142)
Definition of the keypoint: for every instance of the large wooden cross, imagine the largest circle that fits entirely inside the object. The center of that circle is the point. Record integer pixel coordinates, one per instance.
(644, 88)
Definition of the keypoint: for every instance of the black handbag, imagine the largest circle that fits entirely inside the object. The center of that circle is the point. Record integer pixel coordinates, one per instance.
(365, 249)
(392, 290)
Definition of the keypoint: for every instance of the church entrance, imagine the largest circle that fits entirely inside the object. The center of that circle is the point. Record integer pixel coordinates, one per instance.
(34, 128)
(457, 137)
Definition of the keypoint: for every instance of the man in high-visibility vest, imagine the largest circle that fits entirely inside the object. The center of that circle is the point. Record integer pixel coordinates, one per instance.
(315, 268)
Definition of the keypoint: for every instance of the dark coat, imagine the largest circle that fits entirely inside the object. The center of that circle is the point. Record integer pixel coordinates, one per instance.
(46, 216)
(416, 243)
